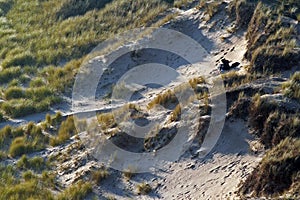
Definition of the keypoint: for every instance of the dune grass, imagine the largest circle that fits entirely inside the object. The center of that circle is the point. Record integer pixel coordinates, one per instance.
(276, 173)
(77, 191)
(43, 43)
(99, 175)
(143, 188)
(292, 87)
(49, 32)
(66, 130)
(272, 45)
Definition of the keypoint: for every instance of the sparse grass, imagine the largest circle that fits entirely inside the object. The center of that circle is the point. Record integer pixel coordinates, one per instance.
(243, 11)
(240, 108)
(129, 172)
(259, 111)
(2, 118)
(35, 163)
(182, 3)
(7, 75)
(28, 175)
(143, 188)
(194, 82)
(25, 190)
(21, 140)
(175, 115)
(210, 8)
(271, 123)
(77, 191)
(106, 120)
(20, 146)
(66, 130)
(3, 155)
(276, 173)
(99, 175)
(272, 46)
(163, 99)
(233, 79)
(292, 87)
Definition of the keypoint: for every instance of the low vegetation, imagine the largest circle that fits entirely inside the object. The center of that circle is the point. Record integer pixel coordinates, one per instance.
(35, 186)
(78, 191)
(271, 123)
(66, 130)
(99, 175)
(242, 11)
(292, 87)
(35, 163)
(272, 41)
(277, 174)
(233, 79)
(21, 140)
(143, 188)
(129, 173)
(2, 118)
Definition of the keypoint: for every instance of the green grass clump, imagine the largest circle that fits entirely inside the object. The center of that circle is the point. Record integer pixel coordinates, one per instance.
(21, 107)
(7, 133)
(2, 118)
(28, 186)
(3, 155)
(20, 146)
(21, 140)
(143, 188)
(35, 163)
(48, 179)
(76, 192)
(276, 173)
(292, 87)
(176, 113)
(30, 189)
(14, 93)
(163, 99)
(37, 82)
(28, 175)
(21, 59)
(8, 74)
(99, 175)
(66, 130)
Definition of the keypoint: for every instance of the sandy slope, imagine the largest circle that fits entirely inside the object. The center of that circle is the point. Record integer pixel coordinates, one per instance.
(218, 174)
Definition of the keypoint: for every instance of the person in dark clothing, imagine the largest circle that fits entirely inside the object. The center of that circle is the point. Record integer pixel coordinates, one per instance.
(225, 64)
